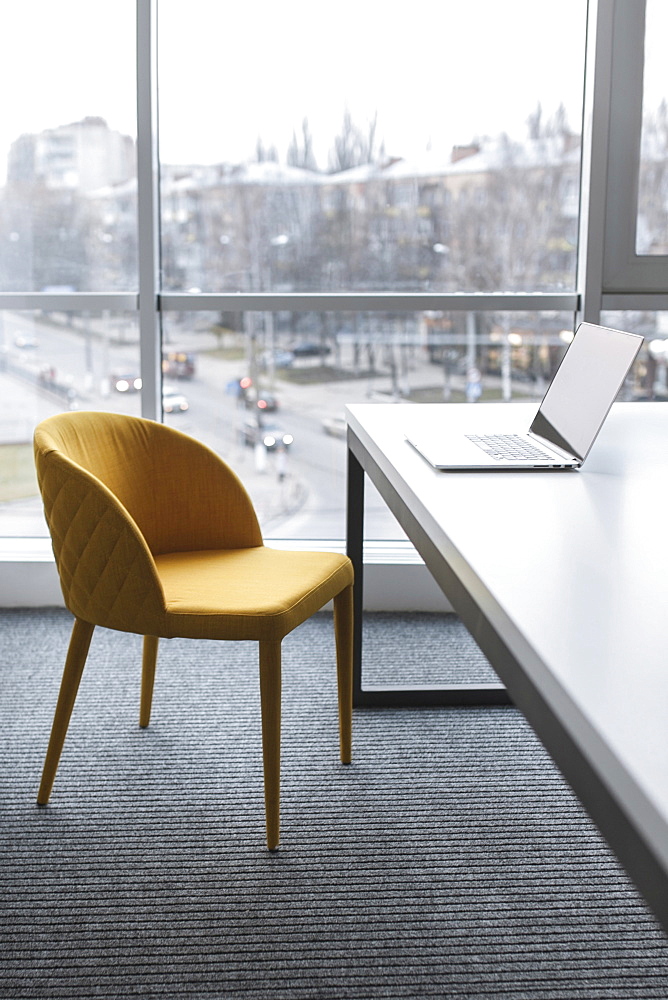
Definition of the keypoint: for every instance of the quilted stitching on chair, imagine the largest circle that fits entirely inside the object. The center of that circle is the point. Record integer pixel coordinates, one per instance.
(107, 573)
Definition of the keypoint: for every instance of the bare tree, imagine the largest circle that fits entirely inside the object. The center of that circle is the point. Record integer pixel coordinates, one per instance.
(534, 122)
(265, 154)
(353, 146)
(300, 151)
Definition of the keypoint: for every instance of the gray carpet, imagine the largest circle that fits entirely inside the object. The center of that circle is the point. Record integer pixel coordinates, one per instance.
(449, 860)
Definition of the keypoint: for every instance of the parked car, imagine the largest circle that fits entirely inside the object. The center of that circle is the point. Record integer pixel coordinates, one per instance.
(26, 342)
(265, 401)
(281, 359)
(271, 435)
(173, 401)
(335, 426)
(178, 364)
(309, 349)
(126, 383)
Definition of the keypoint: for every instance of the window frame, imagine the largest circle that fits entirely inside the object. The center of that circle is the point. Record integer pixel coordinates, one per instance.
(612, 275)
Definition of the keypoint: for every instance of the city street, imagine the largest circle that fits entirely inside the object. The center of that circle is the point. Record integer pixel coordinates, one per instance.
(300, 494)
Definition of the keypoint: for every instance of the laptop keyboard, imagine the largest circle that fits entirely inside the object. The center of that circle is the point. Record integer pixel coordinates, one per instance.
(508, 446)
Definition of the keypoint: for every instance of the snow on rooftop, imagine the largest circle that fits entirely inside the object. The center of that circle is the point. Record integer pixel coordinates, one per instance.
(487, 156)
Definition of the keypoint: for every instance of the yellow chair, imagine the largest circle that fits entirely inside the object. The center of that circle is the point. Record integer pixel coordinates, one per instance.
(154, 534)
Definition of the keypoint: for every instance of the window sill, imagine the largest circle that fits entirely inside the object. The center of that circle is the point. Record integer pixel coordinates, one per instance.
(30, 579)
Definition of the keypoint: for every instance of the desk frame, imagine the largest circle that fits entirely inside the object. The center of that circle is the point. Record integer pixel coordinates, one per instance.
(422, 695)
(617, 824)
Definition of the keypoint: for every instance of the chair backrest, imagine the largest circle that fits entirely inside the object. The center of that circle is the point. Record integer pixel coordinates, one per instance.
(118, 490)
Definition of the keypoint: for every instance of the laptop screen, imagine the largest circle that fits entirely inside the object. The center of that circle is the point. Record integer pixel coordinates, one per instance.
(585, 386)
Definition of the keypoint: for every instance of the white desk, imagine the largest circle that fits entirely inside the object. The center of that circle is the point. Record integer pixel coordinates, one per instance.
(562, 579)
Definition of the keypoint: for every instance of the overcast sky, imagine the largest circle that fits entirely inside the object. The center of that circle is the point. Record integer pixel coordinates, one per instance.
(436, 72)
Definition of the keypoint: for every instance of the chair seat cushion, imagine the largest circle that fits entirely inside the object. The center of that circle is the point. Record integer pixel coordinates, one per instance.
(255, 593)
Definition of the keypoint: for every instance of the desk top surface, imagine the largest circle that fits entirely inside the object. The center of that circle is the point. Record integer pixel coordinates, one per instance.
(571, 568)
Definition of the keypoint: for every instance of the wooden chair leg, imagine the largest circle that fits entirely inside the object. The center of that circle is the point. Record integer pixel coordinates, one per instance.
(343, 631)
(149, 659)
(270, 698)
(77, 652)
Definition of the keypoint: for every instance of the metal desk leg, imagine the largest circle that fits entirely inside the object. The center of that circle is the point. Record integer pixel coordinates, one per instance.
(452, 694)
(355, 551)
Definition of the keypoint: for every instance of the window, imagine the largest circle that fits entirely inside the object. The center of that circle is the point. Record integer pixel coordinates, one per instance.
(634, 234)
(68, 219)
(370, 219)
(52, 360)
(652, 219)
(409, 153)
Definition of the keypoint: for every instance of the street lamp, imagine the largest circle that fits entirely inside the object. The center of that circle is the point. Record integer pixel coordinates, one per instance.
(280, 240)
(658, 351)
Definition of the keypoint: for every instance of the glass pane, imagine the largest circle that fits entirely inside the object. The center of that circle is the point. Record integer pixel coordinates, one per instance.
(268, 392)
(652, 228)
(437, 150)
(649, 376)
(68, 216)
(50, 362)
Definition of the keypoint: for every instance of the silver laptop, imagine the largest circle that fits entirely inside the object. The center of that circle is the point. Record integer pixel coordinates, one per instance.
(568, 420)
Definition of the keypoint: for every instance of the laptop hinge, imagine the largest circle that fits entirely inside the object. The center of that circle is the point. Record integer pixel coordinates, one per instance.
(560, 452)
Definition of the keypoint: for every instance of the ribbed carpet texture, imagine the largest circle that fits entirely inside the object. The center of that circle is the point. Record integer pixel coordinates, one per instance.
(449, 860)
